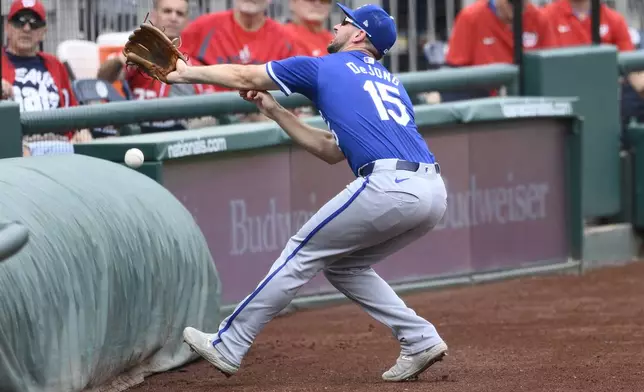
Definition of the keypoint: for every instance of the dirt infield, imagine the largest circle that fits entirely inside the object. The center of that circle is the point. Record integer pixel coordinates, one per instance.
(558, 333)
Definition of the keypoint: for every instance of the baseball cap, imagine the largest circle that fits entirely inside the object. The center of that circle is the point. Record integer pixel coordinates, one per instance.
(34, 5)
(376, 22)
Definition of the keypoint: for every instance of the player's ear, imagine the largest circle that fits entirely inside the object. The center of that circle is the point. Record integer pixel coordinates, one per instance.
(360, 36)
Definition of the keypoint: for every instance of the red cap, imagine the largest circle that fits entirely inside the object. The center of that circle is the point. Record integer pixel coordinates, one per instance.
(34, 5)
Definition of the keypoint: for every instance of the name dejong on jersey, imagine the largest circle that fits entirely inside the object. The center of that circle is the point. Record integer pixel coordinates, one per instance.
(35, 90)
(373, 71)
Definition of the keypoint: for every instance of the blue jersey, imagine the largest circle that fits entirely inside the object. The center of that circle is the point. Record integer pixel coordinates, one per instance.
(365, 107)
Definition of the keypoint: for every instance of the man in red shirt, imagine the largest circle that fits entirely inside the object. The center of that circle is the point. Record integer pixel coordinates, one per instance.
(571, 22)
(482, 34)
(306, 31)
(306, 28)
(172, 17)
(242, 35)
(571, 19)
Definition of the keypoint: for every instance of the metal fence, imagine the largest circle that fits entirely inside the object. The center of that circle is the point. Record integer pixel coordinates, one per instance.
(424, 25)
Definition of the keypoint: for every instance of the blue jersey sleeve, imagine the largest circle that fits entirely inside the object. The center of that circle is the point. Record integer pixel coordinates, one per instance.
(297, 74)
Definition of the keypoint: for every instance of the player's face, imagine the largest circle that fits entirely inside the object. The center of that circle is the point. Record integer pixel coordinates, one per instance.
(171, 15)
(311, 10)
(24, 32)
(251, 6)
(345, 33)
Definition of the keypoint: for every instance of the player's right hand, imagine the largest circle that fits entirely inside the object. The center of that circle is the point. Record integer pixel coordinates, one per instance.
(264, 101)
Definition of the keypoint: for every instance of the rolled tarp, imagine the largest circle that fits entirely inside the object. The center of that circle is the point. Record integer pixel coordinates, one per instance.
(114, 269)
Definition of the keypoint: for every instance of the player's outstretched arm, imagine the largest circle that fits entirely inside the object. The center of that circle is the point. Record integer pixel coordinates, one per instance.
(234, 76)
(319, 142)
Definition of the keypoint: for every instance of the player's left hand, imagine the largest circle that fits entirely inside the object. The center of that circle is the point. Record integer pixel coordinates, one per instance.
(153, 52)
(264, 101)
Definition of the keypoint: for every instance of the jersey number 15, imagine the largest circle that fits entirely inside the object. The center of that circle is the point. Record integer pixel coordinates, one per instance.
(381, 93)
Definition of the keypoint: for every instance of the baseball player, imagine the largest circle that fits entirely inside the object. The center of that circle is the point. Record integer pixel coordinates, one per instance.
(397, 197)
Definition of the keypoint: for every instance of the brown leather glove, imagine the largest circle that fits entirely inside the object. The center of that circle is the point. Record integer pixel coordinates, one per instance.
(150, 50)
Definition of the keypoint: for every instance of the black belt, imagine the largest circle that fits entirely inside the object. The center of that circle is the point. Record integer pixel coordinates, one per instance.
(400, 165)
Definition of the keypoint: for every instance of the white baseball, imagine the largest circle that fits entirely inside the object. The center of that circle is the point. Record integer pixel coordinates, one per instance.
(134, 158)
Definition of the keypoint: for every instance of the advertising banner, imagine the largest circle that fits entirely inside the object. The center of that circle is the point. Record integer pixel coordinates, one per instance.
(506, 204)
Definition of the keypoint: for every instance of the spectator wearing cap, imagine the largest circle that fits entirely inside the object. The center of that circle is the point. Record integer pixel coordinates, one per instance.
(306, 27)
(38, 80)
(482, 34)
(34, 79)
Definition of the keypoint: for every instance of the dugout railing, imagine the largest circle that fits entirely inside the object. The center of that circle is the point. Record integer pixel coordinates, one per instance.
(123, 113)
(590, 73)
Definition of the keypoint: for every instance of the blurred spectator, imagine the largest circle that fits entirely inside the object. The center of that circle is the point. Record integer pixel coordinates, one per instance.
(308, 34)
(47, 144)
(306, 27)
(34, 79)
(435, 52)
(171, 16)
(241, 35)
(482, 34)
(38, 80)
(571, 22)
(636, 37)
(632, 103)
(571, 19)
